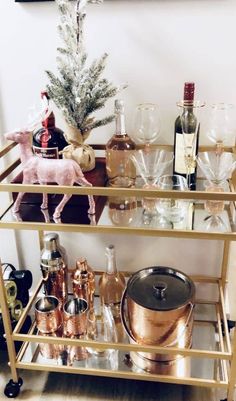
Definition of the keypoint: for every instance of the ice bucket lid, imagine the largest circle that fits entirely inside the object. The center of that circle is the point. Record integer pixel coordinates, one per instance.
(160, 288)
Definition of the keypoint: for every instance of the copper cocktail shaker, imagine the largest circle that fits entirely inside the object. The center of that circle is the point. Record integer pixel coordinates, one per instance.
(83, 282)
(54, 268)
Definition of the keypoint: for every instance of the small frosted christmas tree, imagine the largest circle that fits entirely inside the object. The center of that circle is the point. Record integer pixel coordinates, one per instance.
(78, 90)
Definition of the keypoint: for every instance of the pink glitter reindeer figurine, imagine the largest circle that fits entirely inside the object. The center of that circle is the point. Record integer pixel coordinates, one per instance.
(40, 170)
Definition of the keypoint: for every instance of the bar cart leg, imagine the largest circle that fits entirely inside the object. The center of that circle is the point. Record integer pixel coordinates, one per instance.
(12, 388)
(232, 375)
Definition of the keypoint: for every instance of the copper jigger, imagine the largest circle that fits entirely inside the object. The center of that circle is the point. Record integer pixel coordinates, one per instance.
(47, 314)
(75, 317)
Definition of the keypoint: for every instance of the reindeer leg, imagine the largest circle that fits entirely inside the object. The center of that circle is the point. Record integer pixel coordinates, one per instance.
(16, 207)
(26, 180)
(83, 182)
(61, 205)
(45, 198)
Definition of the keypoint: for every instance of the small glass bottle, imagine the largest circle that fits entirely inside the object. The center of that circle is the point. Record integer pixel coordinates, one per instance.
(48, 140)
(111, 283)
(83, 281)
(120, 168)
(54, 267)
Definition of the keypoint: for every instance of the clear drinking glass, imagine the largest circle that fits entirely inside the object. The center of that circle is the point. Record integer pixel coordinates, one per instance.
(146, 124)
(173, 210)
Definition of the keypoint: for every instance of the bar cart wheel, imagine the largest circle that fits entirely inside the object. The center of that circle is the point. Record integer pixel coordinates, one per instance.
(231, 325)
(12, 388)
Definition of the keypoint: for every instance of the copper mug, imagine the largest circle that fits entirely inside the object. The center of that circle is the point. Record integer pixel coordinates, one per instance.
(51, 351)
(75, 317)
(47, 314)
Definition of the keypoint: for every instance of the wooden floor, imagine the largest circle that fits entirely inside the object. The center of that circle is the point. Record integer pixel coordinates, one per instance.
(41, 386)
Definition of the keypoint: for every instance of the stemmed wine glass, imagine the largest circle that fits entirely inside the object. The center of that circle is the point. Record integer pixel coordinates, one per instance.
(146, 124)
(221, 125)
(190, 125)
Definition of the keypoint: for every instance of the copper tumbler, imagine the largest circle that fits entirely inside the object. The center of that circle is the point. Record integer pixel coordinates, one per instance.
(47, 314)
(75, 317)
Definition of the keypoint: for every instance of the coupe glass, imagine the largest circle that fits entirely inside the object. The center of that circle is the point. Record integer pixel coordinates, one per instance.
(217, 168)
(146, 124)
(151, 165)
(173, 210)
(190, 129)
(221, 125)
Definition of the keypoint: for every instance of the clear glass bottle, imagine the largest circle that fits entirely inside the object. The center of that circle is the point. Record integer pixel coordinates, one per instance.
(180, 167)
(120, 168)
(83, 281)
(48, 140)
(111, 283)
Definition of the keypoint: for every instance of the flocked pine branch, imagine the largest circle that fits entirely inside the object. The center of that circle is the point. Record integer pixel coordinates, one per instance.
(78, 90)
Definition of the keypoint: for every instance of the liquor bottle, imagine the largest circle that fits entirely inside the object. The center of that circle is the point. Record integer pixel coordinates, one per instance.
(120, 169)
(179, 166)
(83, 281)
(49, 140)
(111, 284)
(54, 267)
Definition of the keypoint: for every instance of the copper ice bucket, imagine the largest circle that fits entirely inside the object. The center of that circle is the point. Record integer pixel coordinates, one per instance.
(157, 309)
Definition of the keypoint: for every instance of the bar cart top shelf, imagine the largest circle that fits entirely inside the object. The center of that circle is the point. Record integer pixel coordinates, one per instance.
(75, 218)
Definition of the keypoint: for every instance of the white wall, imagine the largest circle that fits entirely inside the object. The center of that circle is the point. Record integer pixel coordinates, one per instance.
(155, 46)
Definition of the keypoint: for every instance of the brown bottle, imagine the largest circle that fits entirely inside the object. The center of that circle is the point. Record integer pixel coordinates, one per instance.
(179, 165)
(49, 140)
(83, 281)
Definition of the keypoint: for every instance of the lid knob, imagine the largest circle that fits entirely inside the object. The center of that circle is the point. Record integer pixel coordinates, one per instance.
(160, 289)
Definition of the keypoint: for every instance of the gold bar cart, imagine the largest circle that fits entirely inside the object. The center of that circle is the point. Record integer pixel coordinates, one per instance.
(218, 357)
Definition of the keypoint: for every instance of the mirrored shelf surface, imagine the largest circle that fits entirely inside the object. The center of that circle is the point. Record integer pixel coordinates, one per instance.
(204, 338)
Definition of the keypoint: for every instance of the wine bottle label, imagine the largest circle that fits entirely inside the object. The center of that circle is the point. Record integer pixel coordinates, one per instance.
(47, 153)
(180, 166)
